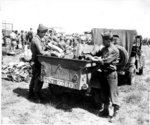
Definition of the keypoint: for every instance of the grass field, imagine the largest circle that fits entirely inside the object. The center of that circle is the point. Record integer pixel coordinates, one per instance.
(17, 109)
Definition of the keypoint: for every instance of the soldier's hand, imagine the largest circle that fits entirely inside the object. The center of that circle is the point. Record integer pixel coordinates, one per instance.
(94, 59)
(31, 63)
(47, 53)
(100, 60)
(88, 56)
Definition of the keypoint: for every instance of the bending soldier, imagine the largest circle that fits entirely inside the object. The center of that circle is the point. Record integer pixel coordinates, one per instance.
(108, 58)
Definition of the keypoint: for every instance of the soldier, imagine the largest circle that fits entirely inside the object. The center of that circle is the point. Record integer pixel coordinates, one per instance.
(37, 48)
(108, 58)
(115, 39)
(13, 37)
(22, 39)
(30, 36)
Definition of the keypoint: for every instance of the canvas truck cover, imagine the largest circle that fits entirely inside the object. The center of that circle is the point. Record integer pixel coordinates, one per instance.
(126, 37)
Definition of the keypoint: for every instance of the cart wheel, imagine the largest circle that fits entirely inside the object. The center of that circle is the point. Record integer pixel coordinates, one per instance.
(131, 75)
(56, 90)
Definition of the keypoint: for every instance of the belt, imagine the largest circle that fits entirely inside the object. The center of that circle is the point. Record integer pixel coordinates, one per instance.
(108, 71)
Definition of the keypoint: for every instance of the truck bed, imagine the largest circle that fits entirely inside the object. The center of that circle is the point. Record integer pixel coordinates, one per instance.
(70, 73)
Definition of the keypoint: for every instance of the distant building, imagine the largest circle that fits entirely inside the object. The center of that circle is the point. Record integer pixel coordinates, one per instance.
(7, 28)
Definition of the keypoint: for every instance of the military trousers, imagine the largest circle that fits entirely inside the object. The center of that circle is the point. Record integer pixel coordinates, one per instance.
(35, 83)
(112, 86)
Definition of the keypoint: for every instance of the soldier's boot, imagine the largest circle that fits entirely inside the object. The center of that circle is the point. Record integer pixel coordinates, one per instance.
(30, 94)
(104, 112)
(116, 109)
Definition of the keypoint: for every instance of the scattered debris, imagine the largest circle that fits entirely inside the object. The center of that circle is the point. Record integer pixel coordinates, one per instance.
(14, 53)
(17, 72)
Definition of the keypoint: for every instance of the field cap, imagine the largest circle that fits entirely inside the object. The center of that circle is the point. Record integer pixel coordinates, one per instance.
(42, 28)
(107, 35)
(139, 36)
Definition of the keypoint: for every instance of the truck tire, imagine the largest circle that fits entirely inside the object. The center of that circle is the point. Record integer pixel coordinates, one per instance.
(131, 80)
(124, 57)
(141, 69)
(131, 76)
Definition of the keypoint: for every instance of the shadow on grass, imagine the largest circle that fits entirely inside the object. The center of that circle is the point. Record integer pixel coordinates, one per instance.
(65, 102)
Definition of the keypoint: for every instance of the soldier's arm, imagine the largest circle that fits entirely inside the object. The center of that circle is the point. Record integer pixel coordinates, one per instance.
(113, 56)
(39, 48)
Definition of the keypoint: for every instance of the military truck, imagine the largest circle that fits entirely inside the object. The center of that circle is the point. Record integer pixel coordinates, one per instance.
(74, 75)
(7, 28)
(132, 42)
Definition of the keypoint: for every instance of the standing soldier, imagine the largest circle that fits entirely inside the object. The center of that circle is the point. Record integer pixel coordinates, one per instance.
(13, 37)
(22, 39)
(108, 58)
(37, 48)
(25, 37)
(30, 36)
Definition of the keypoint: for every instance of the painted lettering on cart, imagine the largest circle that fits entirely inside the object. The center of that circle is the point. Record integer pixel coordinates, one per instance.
(59, 82)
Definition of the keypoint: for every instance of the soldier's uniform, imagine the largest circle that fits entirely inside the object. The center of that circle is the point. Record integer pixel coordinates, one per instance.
(37, 48)
(30, 35)
(110, 56)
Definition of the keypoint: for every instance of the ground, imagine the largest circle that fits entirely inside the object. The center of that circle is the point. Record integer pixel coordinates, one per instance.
(17, 109)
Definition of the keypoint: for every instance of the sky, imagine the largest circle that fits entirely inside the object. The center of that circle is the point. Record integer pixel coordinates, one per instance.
(78, 15)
